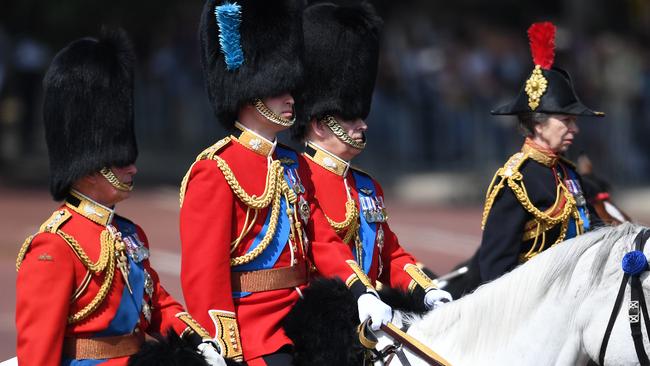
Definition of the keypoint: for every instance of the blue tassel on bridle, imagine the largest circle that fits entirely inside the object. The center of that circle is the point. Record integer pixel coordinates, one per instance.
(634, 263)
(229, 18)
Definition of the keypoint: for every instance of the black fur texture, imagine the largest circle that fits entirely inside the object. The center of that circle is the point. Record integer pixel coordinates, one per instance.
(171, 351)
(88, 109)
(271, 40)
(341, 55)
(323, 324)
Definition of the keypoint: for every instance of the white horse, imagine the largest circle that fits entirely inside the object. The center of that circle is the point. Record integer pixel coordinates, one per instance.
(551, 311)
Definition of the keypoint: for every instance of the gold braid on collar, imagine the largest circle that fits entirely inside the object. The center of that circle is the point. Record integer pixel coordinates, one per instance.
(538, 155)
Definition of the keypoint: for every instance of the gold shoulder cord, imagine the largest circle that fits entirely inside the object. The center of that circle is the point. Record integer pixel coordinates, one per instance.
(208, 153)
(350, 222)
(275, 187)
(51, 225)
(23, 251)
(509, 174)
(509, 169)
(106, 261)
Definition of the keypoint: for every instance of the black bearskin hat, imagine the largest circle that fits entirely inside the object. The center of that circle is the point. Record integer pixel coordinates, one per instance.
(548, 89)
(341, 54)
(88, 109)
(267, 38)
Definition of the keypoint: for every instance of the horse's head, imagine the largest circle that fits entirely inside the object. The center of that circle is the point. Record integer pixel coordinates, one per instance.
(618, 307)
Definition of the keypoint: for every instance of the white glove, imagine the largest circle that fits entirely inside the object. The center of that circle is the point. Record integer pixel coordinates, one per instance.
(211, 354)
(435, 298)
(371, 307)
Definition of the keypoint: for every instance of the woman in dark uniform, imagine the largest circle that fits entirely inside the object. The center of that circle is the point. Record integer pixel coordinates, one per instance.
(536, 199)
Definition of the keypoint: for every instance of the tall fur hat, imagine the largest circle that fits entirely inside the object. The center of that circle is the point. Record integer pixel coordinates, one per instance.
(341, 54)
(88, 109)
(253, 51)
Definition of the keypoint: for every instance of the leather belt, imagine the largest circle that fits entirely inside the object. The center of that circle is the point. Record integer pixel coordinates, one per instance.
(104, 347)
(269, 279)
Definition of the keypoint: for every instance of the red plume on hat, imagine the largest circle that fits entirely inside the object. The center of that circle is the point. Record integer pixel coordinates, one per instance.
(542, 43)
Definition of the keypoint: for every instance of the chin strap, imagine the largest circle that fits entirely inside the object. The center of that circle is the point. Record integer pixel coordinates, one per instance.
(114, 181)
(340, 133)
(272, 116)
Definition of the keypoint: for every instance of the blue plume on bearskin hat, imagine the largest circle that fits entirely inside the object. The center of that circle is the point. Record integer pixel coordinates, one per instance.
(88, 109)
(341, 56)
(229, 18)
(271, 42)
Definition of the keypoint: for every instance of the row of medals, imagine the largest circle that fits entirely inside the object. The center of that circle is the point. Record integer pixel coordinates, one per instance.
(138, 253)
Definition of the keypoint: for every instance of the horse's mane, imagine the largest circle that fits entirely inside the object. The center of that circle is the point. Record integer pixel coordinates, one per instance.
(500, 307)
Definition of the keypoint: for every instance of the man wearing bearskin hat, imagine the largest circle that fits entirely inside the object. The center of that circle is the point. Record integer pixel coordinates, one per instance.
(251, 230)
(536, 200)
(86, 292)
(341, 54)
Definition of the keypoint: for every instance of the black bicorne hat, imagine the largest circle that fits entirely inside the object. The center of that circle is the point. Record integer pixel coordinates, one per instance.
(88, 109)
(249, 49)
(548, 89)
(341, 54)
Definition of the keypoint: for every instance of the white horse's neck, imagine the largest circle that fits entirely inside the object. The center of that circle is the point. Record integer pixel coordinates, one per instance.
(535, 315)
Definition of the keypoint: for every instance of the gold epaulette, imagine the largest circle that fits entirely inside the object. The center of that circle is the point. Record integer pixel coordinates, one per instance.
(206, 154)
(510, 170)
(51, 225)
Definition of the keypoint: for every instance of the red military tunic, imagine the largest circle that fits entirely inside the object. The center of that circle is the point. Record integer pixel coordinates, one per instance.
(330, 176)
(212, 219)
(52, 287)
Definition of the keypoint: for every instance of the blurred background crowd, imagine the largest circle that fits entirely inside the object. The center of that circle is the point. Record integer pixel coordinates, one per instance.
(444, 66)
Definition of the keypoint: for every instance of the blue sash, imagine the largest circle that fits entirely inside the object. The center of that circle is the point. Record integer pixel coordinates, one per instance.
(128, 313)
(573, 184)
(269, 257)
(367, 230)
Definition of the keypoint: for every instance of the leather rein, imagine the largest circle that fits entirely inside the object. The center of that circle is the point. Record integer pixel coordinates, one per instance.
(637, 306)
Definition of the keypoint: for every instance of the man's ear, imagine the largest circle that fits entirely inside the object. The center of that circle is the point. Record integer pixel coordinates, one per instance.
(87, 181)
(318, 128)
(92, 178)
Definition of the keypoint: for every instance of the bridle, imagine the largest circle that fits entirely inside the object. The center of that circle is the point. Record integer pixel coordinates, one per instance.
(401, 340)
(634, 264)
(386, 355)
